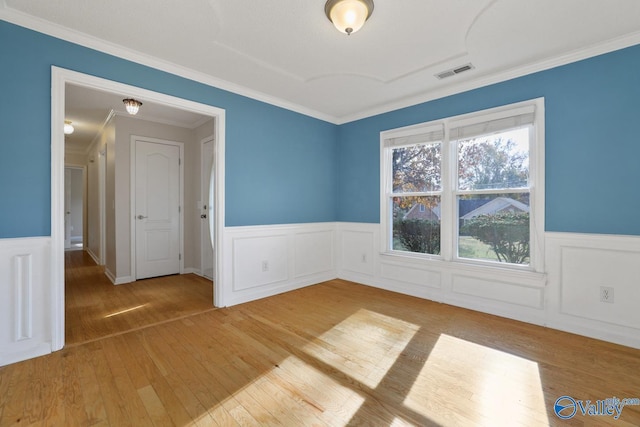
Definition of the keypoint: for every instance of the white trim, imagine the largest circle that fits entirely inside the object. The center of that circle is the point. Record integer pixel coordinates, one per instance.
(448, 192)
(102, 205)
(57, 210)
(132, 199)
(93, 256)
(59, 78)
(118, 280)
(91, 42)
(513, 73)
(203, 197)
(95, 43)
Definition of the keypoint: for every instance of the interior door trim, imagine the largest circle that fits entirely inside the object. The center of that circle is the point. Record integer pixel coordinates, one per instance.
(60, 77)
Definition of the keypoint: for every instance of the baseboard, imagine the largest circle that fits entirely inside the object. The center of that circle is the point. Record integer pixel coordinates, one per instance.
(118, 280)
(93, 256)
(30, 353)
(280, 289)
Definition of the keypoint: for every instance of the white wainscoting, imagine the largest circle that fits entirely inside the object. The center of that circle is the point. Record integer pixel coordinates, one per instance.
(567, 297)
(25, 306)
(260, 261)
(578, 265)
(517, 295)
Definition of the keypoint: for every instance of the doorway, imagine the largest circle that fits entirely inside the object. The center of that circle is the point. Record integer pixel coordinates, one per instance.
(60, 79)
(74, 207)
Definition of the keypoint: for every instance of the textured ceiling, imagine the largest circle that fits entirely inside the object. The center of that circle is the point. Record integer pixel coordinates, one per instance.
(287, 52)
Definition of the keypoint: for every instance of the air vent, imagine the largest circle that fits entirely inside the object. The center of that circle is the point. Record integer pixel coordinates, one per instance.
(454, 71)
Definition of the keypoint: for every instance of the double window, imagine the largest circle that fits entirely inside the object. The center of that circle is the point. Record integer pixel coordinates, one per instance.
(467, 188)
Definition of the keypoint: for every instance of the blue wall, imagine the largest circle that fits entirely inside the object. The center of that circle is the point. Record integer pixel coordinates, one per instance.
(592, 143)
(284, 167)
(280, 165)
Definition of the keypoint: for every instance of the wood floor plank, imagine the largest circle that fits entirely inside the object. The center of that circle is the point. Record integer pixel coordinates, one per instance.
(73, 393)
(333, 354)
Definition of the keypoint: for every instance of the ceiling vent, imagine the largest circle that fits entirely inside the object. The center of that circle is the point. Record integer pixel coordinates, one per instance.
(454, 71)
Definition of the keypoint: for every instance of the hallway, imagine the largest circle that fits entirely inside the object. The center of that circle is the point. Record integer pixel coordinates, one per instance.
(95, 308)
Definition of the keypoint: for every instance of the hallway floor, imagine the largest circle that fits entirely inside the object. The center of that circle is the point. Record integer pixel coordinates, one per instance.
(95, 308)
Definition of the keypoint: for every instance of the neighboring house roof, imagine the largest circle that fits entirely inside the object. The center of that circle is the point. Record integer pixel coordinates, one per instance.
(469, 208)
(467, 205)
(420, 211)
(497, 205)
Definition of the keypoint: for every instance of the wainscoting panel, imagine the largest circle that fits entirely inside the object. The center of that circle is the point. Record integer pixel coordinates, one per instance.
(498, 290)
(410, 274)
(318, 255)
(261, 261)
(357, 251)
(580, 266)
(518, 295)
(25, 306)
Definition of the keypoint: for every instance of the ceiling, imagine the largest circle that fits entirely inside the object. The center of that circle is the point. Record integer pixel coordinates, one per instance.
(287, 52)
(89, 109)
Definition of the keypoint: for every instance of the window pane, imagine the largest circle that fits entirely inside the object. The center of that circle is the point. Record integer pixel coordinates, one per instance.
(416, 168)
(494, 227)
(494, 161)
(416, 224)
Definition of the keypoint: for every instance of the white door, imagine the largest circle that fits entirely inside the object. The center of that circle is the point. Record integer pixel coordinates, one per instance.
(67, 208)
(157, 209)
(206, 210)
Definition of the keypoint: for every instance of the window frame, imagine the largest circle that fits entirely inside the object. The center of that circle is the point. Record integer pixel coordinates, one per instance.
(449, 185)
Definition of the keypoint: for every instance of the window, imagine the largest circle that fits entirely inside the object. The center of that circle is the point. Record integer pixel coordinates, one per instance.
(467, 188)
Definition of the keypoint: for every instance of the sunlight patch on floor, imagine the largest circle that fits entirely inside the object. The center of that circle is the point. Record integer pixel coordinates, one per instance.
(127, 310)
(293, 392)
(463, 383)
(363, 340)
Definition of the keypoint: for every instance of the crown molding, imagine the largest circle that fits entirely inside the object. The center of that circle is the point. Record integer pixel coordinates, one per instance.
(82, 39)
(91, 42)
(549, 63)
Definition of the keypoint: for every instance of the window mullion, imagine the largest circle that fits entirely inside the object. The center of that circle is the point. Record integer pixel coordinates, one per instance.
(448, 211)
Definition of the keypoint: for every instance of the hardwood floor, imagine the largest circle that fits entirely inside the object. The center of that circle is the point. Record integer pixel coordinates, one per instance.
(332, 354)
(95, 308)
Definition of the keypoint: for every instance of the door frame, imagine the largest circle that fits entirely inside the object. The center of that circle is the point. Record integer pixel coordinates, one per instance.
(203, 197)
(132, 200)
(60, 77)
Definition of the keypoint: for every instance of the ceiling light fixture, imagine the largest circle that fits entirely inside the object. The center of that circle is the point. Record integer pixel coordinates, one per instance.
(132, 105)
(68, 129)
(348, 16)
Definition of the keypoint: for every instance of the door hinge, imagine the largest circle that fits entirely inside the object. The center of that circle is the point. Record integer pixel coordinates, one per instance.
(179, 161)
(179, 209)
(179, 257)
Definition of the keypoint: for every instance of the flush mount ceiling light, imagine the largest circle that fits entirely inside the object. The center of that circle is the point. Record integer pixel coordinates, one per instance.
(68, 129)
(348, 16)
(132, 105)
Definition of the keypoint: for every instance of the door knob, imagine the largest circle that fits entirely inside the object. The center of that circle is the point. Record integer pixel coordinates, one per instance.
(141, 217)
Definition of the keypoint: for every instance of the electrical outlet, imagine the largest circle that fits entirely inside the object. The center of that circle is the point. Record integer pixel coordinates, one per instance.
(265, 266)
(606, 294)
